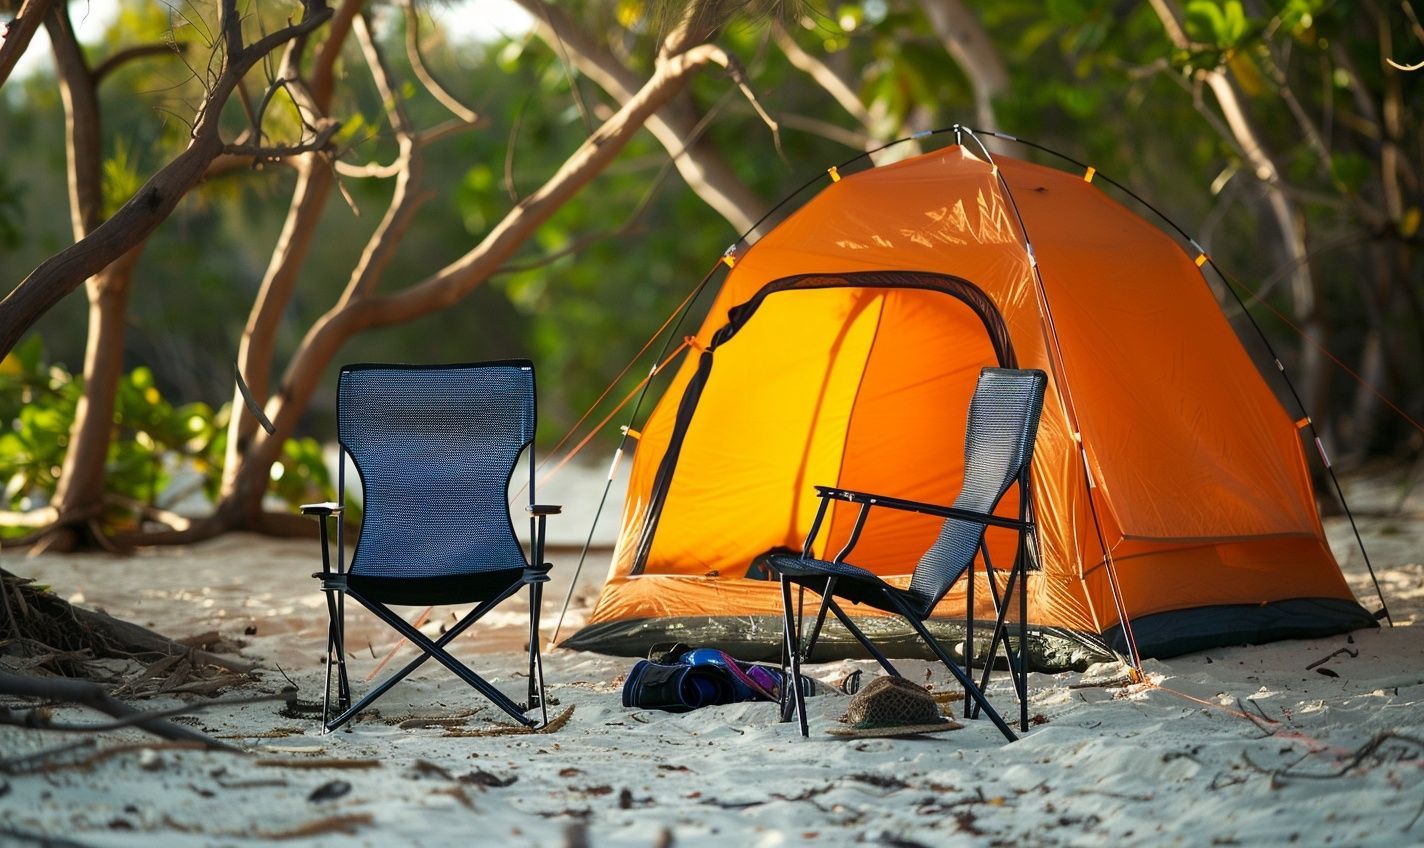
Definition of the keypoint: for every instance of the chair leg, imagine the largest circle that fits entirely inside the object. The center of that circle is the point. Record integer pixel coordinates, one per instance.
(331, 625)
(449, 636)
(484, 687)
(1021, 565)
(863, 639)
(969, 633)
(793, 652)
(1001, 637)
(343, 684)
(536, 659)
(820, 617)
(1000, 601)
(949, 663)
(1017, 659)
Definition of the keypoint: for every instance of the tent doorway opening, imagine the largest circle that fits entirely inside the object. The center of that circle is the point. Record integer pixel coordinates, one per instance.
(856, 380)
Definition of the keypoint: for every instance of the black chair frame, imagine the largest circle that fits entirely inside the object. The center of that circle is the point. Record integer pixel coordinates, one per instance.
(334, 583)
(887, 598)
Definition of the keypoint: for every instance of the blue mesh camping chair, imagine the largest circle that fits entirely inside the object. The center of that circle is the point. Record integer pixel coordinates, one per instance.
(436, 447)
(1003, 422)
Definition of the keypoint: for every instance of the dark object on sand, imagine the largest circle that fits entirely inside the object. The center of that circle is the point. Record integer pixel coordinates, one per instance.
(893, 706)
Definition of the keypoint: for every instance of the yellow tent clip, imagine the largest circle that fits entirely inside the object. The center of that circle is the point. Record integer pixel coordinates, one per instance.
(835, 174)
(1201, 259)
(1092, 172)
(730, 260)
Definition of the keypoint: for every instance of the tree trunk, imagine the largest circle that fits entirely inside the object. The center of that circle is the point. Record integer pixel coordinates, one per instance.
(80, 490)
(254, 358)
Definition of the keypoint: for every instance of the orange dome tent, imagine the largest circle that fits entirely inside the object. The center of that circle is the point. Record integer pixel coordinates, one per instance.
(1169, 483)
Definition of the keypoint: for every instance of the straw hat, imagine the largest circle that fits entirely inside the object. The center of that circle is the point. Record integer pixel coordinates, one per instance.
(892, 706)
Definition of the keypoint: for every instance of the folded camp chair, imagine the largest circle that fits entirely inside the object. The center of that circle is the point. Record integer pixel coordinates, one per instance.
(436, 447)
(1003, 421)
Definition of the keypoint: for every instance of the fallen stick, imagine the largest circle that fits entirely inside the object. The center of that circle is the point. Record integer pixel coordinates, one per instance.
(93, 696)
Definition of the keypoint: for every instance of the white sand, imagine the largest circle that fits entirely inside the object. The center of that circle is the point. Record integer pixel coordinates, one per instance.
(1148, 765)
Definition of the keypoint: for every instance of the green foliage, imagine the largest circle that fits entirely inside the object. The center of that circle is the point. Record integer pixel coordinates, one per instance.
(37, 403)
(1102, 82)
(152, 441)
(1218, 22)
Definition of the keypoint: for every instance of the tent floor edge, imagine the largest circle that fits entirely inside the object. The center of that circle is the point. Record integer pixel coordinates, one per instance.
(757, 638)
(1170, 634)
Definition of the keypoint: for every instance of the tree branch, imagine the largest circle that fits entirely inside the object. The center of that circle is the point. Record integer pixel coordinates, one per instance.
(381, 76)
(92, 696)
(63, 272)
(417, 63)
(826, 77)
(19, 32)
(971, 48)
(359, 310)
(129, 54)
(674, 124)
(321, 141)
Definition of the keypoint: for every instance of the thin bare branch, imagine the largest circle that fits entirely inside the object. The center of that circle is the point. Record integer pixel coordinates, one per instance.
(700, 164)
(19, 32)
(381, 76)
(130, 54)
(321, 141)
(358, 309)
(93, 696)
(369, 171)
(61, 273)
(422, 72)
(825, 76)
(827, 130)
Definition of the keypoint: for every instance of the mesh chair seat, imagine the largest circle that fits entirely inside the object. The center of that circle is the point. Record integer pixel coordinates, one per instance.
(853, 583)
(436, 448)
(433, 591)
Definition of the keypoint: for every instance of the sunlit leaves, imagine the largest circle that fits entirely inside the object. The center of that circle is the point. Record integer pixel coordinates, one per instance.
(1218, 22)
(121, 179)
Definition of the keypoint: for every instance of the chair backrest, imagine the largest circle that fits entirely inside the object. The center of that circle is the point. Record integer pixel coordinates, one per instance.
(998, 447)
(436, 447)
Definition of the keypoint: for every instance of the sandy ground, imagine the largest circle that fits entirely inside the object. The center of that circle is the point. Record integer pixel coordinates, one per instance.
(1241, 746)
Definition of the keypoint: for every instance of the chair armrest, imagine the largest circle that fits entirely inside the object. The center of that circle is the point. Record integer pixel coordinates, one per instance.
(544, 509)
(322, 509)
(906, 505)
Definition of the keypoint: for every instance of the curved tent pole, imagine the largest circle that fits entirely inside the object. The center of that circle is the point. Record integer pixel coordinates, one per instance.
(1066, 393)
(1202, 259)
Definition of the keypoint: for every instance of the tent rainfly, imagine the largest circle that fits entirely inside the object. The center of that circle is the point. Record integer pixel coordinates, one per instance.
(1169, 484)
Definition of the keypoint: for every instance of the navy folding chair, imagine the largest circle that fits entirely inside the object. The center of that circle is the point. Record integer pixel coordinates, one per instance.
(436, 447)
(1003, 423)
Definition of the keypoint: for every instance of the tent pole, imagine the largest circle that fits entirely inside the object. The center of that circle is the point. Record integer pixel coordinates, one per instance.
(623, 442)
(1066, 393)
(1232, 285)
(587, 543)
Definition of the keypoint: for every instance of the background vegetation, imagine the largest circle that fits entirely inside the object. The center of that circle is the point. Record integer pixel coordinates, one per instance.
(1285, 136)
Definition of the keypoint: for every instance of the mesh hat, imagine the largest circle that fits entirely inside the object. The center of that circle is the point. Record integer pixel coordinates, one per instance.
(893, 706)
